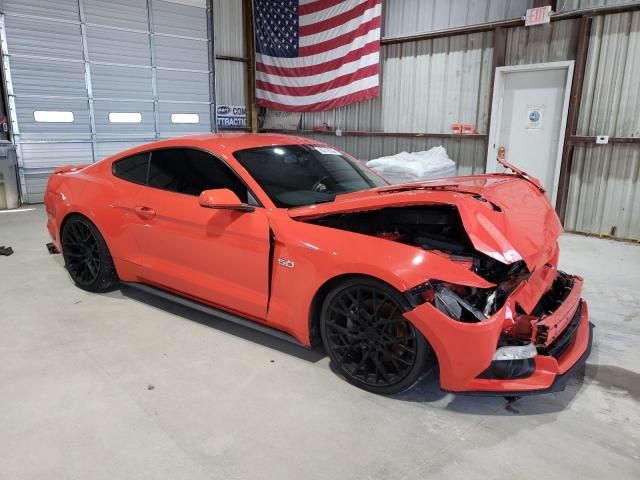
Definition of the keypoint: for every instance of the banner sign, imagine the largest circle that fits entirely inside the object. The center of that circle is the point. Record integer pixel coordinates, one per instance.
(232, 116)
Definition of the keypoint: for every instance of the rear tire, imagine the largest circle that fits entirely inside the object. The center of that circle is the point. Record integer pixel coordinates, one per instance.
(86, 255)
(369, 341)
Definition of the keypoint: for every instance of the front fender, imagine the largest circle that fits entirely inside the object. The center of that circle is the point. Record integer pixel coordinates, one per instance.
(307, 256)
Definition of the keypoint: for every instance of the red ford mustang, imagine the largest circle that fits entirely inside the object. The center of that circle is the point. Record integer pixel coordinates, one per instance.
(457, 275)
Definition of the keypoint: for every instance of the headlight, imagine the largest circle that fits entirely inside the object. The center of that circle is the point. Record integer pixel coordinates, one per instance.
(518, 352)
(455, 306)
(459, 302)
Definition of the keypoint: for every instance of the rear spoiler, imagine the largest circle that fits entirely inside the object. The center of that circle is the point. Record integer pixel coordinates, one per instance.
(69, 168)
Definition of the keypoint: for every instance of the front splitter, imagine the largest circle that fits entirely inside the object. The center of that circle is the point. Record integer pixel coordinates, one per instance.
(558, 385)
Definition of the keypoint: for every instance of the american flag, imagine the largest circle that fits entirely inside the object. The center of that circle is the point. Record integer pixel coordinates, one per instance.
(316, 55)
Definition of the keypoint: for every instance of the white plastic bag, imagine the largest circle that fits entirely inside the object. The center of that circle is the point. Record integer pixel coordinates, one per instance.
(406, 167)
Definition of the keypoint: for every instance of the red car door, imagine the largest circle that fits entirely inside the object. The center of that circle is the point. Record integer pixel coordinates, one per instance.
(130, 178)
(217, 256)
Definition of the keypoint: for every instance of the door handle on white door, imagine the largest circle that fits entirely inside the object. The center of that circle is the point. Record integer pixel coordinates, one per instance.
(145, 212)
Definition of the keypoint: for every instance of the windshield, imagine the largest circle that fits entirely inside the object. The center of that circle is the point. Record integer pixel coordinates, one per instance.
(297, 175)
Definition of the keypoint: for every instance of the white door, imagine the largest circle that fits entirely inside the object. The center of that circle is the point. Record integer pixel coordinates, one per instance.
(530, 109)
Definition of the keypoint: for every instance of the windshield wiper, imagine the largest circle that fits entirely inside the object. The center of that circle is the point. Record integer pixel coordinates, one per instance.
(325, 201)
(418, 186)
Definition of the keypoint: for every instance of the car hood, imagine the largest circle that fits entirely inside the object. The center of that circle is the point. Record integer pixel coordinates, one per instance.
(506, 217)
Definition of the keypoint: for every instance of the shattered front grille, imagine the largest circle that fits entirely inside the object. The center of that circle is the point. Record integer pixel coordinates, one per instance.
(550, 302)
(560, 344)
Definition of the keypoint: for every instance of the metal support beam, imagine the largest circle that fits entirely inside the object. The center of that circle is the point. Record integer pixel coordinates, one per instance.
(575, 139)
(231, 58)
(572, 116)
(516, 22)
(355, 133)
(250, 52)
(154, 71)
(213, 105)
(87, 81)
(10, 102)
(499, 56)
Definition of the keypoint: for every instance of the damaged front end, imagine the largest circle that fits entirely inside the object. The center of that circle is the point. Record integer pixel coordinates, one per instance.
(439, 230)
(523, 323)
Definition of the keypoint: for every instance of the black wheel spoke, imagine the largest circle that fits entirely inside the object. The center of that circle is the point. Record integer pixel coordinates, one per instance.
(395, 364)
(368, 336)
(341, 330)
(380, 369)
(365, 357)
(340, 311)
(81, 252)
(401, 360)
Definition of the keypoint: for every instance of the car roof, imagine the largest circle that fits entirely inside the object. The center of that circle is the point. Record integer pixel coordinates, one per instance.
(234, 141)
(222, 144)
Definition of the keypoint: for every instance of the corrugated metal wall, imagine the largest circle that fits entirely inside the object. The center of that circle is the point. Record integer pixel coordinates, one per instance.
(566, 5)
(426, 86)
(604, 193)
(406, 17)
(230, 41)
(149, 58)
(468, 153)
(431, 84)
(552, 42)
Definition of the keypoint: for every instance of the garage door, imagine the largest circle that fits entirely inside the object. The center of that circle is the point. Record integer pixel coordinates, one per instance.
(88, 78)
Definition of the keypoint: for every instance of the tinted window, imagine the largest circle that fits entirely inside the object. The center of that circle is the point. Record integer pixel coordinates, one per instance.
(132, 169)
(191, 172)
(296, 175)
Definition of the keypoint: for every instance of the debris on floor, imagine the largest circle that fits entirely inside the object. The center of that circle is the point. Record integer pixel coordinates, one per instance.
(6, 250)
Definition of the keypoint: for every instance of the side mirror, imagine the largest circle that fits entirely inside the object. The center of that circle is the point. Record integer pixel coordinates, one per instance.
(223, 199)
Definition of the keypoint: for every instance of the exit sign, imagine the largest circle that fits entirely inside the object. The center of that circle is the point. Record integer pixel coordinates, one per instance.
(538, 16)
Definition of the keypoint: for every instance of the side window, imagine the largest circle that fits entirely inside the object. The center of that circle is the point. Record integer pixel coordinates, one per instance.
(188, 171)
(133, 169)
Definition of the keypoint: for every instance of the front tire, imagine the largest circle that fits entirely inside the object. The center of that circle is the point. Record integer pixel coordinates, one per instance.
(86, 255)
(368, 339)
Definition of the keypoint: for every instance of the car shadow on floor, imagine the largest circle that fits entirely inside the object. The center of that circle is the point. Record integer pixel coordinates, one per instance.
(428, 391)
(209, 320)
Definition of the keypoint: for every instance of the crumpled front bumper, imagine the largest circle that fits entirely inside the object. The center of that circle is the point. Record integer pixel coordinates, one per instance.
(465, 350)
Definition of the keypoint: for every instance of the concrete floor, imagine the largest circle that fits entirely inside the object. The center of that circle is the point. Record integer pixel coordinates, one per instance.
(123, 385)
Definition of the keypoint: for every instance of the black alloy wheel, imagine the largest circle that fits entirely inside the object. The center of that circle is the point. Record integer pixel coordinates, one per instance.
(366, 335)
(86, 255)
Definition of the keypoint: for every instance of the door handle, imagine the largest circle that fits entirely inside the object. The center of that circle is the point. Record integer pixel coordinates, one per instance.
(145, 212)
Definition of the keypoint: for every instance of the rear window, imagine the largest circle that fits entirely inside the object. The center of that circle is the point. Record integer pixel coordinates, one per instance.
(132, 169)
